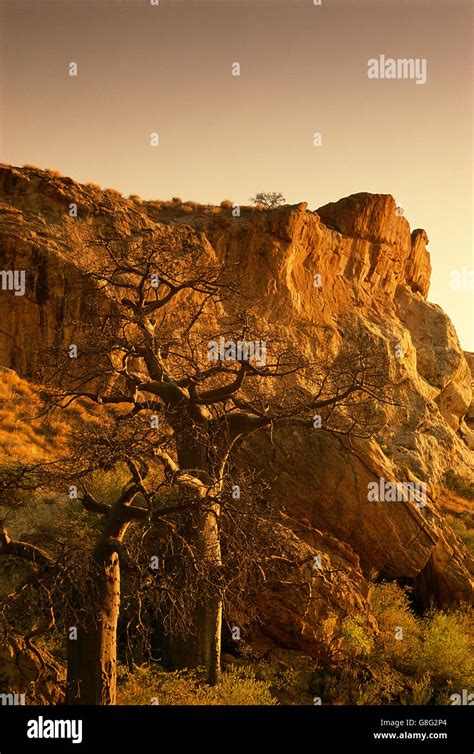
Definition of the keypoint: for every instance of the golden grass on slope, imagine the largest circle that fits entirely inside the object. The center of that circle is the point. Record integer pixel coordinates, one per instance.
(25, 435)
(19, 438)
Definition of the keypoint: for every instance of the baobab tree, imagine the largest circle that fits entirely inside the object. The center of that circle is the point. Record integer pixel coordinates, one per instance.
(74, 586)
(179, 347)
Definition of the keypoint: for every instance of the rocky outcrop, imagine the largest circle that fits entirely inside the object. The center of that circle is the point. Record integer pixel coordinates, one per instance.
(40, 237)
(352, 265)
(418, 265)
(439, 358)
(470, 411)
(305, 608)
(326, 483)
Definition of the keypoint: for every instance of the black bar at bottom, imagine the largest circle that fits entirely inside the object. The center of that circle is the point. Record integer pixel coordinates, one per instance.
(96, 729)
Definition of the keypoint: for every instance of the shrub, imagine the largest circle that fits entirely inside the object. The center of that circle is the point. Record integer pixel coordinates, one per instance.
(227, 204)
(392, 610)
(93, 185)
(431, 661)
(176, 200)
(135, 198)
(356, 637)
(151, 685)
(446, 650)
(355, 681)
(420, 691)
(435, 653)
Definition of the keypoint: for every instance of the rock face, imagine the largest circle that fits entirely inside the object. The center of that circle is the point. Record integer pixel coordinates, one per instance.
(319, 276)
(470, 412)
(39, 237)
(307, 606)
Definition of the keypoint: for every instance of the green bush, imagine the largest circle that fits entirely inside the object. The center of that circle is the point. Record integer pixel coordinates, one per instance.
(356, 637)
(432, 659)
(392, 611)
(446, 649)
(435, 654)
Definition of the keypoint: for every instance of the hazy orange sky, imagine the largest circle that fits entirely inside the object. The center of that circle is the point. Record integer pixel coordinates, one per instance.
(168, 69)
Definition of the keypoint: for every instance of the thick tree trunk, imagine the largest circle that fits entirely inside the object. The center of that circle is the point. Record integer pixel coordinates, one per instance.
(92, 656)
(209, 615)
(202, 648)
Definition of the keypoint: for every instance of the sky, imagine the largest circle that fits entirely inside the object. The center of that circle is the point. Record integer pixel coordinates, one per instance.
(168, 69)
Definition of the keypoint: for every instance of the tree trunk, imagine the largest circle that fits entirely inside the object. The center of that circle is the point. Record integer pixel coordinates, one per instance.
(209, 615)
(202, 648)
(92, 656)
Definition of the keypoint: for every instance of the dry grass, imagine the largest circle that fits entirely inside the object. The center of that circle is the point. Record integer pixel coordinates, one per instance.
(25, 435)
(151, 685)
(460, 485)
(459, 513)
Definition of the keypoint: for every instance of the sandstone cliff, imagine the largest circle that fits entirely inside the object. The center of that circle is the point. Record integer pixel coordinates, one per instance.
(319, 275)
